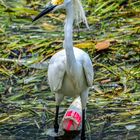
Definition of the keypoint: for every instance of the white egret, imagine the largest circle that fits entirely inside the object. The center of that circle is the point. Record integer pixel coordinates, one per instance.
(70, 71)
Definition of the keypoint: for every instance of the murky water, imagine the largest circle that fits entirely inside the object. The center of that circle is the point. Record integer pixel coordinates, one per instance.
(106, 131)
(113, 113)
(39, 135)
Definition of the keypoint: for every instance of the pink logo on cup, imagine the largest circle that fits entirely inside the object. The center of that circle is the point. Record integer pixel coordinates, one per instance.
(73, 120)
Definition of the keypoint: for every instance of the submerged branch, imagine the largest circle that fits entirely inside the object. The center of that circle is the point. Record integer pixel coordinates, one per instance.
(28, 63)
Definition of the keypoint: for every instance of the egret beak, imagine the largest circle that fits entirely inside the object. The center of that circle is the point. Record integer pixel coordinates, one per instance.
(48, 9)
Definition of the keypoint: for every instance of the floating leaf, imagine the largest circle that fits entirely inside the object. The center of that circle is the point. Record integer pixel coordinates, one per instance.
(1, 30)
(102, 45)
(85, 45)
(130, 127)
(48, 27)
(106, 81)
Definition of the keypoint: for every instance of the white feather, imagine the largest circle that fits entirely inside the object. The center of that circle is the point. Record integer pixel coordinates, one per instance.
(79, 13)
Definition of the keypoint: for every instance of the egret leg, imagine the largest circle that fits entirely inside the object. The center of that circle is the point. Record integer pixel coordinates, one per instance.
(58, 98)
(84, 97)
(56, 125)
(83, 125)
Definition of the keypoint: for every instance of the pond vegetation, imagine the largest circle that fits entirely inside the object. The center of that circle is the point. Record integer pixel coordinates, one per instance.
(27, 106)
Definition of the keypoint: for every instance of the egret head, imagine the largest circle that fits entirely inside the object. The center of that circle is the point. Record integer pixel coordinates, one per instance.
(79, 14)
(52, 6)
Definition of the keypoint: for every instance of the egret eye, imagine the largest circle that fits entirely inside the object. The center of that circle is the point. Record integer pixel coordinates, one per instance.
(57, 2)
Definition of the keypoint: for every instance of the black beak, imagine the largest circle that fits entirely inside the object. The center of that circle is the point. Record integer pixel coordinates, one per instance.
(48, 9)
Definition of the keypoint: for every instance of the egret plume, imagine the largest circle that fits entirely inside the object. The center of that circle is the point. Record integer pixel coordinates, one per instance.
(79, 13)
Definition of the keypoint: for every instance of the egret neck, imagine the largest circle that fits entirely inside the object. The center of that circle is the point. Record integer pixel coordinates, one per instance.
(68, 40)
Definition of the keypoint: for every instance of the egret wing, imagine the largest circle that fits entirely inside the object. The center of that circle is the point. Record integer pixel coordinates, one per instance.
(88, 69)
(56, 72)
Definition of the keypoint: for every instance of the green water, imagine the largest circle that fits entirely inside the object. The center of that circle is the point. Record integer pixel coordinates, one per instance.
(27, 106)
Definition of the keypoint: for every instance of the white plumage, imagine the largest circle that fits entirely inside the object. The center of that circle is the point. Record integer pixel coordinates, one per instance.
(62, 82)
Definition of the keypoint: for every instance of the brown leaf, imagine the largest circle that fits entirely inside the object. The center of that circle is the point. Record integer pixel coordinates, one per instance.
(102, 45)
(105, 81)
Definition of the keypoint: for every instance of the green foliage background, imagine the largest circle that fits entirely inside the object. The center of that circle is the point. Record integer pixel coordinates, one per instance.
(25, 48)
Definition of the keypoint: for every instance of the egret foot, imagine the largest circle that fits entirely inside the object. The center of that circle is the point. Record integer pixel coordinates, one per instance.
(56, 128)
(51, 132)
